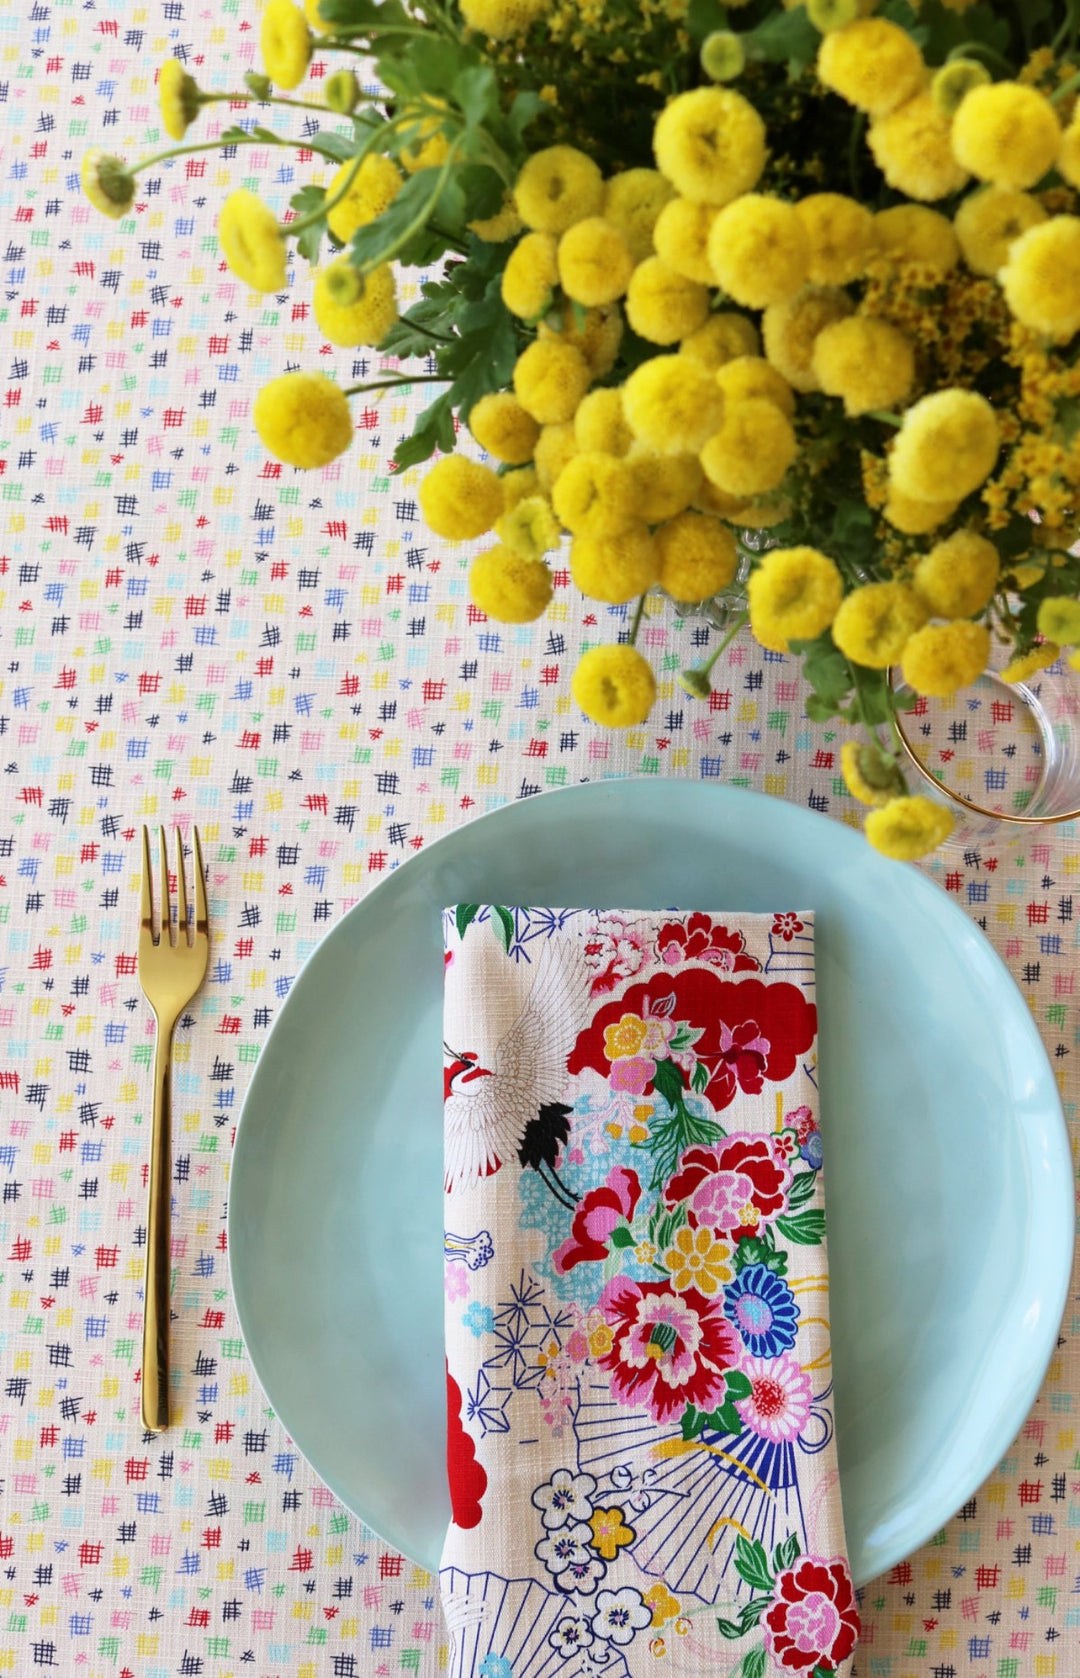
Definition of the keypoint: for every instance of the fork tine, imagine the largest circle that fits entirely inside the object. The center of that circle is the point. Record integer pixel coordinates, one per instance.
(146, 908)
(166, 900)
(202, 920)
(181, 892)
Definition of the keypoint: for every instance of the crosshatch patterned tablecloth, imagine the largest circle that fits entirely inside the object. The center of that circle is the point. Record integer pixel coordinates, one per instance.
(190, 632)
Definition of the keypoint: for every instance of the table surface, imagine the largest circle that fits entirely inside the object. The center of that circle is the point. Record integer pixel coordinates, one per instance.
(191, 633)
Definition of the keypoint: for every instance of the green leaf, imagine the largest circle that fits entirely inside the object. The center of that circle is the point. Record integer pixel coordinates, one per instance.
(729, 1628)
(663, 1224)
(464, 915)
(482, 192)
(753, 1611)
(752, 1564)
(622, 1237)
(307, 199)
(371, 243)
(802, 1188)
(324, 139)
(692, 1422)
(753, 1663)
(724, 1419)
(364, 15)
(736, 1385)
(785, 1552)
(946, 29)
(825, 667)
(308, 242)
(506, 924)
(476, 93)
(754, 1250)
(820, 710)
(668, 1081)
(524, 110)
(699, 1080)
(806, 1230)
(703, 17)
(784, 38)
(434, 429)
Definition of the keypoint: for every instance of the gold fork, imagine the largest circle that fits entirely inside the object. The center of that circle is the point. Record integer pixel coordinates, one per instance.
(171, 969)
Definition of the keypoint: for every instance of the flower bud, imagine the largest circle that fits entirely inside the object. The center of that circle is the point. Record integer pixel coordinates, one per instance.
(696, 683)
(344, 285)
(953, 82)
(342, 92)
(722, 56)
(108, 183)
(827, 15)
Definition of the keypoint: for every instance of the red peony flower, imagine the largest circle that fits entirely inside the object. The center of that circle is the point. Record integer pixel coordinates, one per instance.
(703, 939)
(734, 1187)
(669, 1349)
(813, 1620)
(600, 1211)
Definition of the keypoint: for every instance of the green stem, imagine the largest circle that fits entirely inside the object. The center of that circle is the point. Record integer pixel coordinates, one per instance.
(1068, 28)
(884, 416)
(858, 129)
(1066, 88)
(272, 99)
(392, 383)
(421, 215)
(263, 139)
(636, 625)
(292, 228)
(979, 49)
(741, 620)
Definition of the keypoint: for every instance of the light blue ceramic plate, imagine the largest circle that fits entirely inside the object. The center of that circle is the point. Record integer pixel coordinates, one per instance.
(949, 1179)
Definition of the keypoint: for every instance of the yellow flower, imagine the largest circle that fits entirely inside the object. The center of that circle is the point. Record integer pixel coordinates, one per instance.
(908, 828)
(698, 1260)
(1041, 279)
(503, 225)
(946, 446)
(910, 233)
(626, 1039)
(609, 1532)
(558, 187)
(752, 450)
(285, 40)
(1059, 620)
(303, 419)
(594, 262)
(869, 775)
(530, 527)
(752, 375)
(664, 484)
(614, 568)
(841, 235)
(944, 657)
(1069, 156)
(509, 587)
(316, 19)
(362, 316)
(178, 94)
(503, 20)
(710, 143)
(1019, 669)
(597, 337)
(550, 378)
(428, 144)
(989, 222)
(873, 64)
(374, 187)
(594, 495)
(614, 686)
(460, 499)
(554, 447)
(875, 622)
(601, 1341)
(108, 183)
(518, 487)
(722, 338)
(911, 148)
(1006, 133)
(600, 423)
(664, 1606)
(759, 251)
(682, 238)
(633, 202)
(502, 427)
(530, 275)
(252, 242)
(957, 578)
(662, 305)
(793, 595)
(914, 517)
(867, 362)
(672, 404)
(791, 331)
(698, 556)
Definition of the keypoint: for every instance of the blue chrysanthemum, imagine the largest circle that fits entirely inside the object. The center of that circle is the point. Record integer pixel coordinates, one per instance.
(763, 1309)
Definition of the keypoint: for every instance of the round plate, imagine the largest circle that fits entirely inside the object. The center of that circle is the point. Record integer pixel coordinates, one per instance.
(948, 1173)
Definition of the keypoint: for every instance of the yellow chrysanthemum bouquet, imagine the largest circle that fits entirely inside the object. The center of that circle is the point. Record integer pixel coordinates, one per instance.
(775, 306)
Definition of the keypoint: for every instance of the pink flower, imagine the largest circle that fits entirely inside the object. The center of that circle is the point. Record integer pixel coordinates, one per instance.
(599, 1213)
(703, 939)
(812, 1621)
(455, 1281)
(780, 1394)
(669, 1349)
(735, 1186)
(631, 1075)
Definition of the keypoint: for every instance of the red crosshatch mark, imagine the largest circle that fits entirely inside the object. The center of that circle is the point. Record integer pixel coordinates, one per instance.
(986, 1578)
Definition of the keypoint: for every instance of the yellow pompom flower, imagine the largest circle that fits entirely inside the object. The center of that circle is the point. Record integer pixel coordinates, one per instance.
(840, 231)
(759, 251)
(791, 330)
(503, 225)
(509, 587)
(556, 188)
(594, 495)
(373, 189)
(285, 41)
(614, 686)
(303, 419)
(530, 528)
(427, 143)
(502, 427)
(942, 658)
(752, 375)
(914, 517)
(946, 446)
(633, 202)
(617, 567)
(868, 774)
(550, 378)
(698, 556)
(723, 337)
(316, 19)
(989, 222)
(873, 64)
(531, 275)
(752, 450)
(600, 422)
(908, 828)
(957, 578)
(710, 144)
(519, 486)
(911, 148)
(913, 234)
(598, 336)
(1069, 156)
(793, 595)
(1059, 620)
(866, 361)
(664, 484)
(672, 404)
(875, 622)
(503, 20)
(554, 447)
(460, 499)
(178, 94)
(662, 305)
(1007, 133)
(1029, 664)
(594, 262)
(682, 238)
(1041, 279)
(108, 183)
(352, 308)
(252, 242)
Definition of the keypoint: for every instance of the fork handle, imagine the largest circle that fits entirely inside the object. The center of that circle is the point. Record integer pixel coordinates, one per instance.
(155, 1352)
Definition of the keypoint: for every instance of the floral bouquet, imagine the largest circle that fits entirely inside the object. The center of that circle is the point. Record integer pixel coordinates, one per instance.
(773, 307)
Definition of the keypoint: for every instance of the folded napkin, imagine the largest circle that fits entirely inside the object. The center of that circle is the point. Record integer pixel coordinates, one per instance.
(640, 1437)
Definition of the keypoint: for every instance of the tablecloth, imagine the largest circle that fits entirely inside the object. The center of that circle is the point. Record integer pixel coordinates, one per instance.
(189, 631)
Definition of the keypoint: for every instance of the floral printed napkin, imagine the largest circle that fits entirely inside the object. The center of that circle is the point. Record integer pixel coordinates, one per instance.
(640, 1445)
